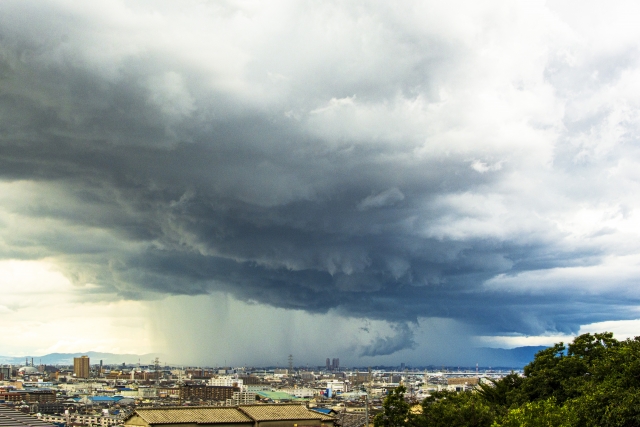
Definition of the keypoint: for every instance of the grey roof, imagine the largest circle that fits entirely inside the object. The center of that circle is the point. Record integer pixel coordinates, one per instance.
(9, 417)
(227, 414)
(281, 412)
(191, 414)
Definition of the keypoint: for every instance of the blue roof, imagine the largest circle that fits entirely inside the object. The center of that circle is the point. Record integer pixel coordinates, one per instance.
(326, 411)
(104, 399)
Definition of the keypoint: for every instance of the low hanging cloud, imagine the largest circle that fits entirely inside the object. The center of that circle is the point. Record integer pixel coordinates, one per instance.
(382, 346)
(383, 161)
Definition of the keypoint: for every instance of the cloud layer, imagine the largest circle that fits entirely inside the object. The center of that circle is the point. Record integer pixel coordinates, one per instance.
(385, 162)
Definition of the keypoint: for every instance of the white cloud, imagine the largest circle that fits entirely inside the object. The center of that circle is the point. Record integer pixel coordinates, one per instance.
(615, 275)
(482, 167)
(521, 341)
(622, 329)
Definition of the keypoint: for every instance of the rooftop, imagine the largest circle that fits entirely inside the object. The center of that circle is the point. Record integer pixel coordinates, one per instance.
(11, 418)
(192, 414)
(228, 414)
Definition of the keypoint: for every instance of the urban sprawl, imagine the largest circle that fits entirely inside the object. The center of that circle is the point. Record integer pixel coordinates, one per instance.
(96, 394)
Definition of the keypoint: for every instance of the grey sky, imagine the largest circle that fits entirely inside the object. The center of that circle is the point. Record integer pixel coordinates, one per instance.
(474, 163)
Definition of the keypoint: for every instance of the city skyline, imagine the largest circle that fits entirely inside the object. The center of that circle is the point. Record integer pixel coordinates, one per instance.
(241, 181)
(500, 361)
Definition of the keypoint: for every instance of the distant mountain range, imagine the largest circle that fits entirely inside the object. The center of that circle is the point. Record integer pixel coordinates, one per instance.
(486, 357)
(500, 357)
(67, 358)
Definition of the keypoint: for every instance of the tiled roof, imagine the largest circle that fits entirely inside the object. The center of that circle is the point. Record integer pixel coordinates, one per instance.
(191, 414)
(11, 417)
(222, 414)
(281, 412)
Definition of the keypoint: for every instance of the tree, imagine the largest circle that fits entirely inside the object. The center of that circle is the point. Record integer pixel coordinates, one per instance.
(502, 393)
(561, 372)
(610, 393)
(542, 413)
(395, 410)
(592, 382)
(451, 409)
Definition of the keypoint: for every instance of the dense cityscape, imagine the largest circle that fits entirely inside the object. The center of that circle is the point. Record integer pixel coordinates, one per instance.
(90, 393)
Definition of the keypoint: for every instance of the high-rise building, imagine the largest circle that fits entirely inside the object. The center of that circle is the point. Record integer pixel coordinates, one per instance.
(328, 363)
(81, 366)
(335, 364)
(5, 372)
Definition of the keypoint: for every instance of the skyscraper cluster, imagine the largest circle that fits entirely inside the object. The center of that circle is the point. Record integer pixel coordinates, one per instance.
(333, 364)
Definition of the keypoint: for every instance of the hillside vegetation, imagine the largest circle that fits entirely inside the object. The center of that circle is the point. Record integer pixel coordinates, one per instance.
(594, 381)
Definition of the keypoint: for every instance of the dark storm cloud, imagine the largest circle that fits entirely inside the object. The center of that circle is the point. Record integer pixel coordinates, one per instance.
(330, 191)
(402, 339)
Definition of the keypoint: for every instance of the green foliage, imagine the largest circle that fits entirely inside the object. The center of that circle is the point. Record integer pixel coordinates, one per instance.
(542, 413)
(450, 409)
(395, 410)
(597, 380)
(502, 393)
(592, 382)
(610, 394)
(560, 372)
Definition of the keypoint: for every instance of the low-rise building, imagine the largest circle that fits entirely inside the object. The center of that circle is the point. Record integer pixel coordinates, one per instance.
(226, 382)
(337, 386)
(462, 381)
(301, 392)
(11, 417)
(206, 393)
(241, 416)
(255, 388)
(29, 396)
(242, 398)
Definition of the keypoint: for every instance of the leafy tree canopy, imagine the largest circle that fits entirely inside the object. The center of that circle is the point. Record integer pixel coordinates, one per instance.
(594, 381)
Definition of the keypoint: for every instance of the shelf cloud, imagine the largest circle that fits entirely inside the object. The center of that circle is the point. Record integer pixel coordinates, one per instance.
(391, 162)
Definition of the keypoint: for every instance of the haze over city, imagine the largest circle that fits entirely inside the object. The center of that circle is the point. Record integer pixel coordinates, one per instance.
(228, 183)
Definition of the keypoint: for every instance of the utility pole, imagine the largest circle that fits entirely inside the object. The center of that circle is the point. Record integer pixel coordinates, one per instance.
(366, 408)
(367, 387)
(290, 366)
